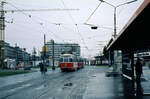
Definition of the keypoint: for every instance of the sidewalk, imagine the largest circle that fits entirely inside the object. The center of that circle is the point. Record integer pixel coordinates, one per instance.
(14, 79)
(146, 81)
(102, 87)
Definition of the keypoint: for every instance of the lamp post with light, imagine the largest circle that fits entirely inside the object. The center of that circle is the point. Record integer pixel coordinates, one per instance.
(115, 9)
(115, 32)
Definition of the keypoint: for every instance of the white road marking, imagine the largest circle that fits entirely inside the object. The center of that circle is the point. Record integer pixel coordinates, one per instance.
(41, 87)
(17, 88)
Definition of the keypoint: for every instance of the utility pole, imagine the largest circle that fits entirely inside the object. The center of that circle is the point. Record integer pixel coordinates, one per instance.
(16, 51)
(53, 54)
(24, 57)
(34, 56)
(115, 32)
(44, 56)
(2, 35)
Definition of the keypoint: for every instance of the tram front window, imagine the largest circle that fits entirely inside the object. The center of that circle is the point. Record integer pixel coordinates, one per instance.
(65, 59)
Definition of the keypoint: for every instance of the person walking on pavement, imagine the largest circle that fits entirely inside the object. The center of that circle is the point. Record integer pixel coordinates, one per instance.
(139, 71)
(138, 68)
(41, 68)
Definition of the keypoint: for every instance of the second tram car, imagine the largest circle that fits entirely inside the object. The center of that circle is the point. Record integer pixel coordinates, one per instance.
(69, 62)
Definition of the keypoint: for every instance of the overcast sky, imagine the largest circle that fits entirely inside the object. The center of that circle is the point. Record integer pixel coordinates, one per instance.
(28, 28)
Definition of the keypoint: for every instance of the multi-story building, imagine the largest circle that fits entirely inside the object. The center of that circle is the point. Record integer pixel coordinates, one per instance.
(17, 54)
(60, 48)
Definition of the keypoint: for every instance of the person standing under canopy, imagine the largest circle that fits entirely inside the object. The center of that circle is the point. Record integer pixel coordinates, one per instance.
(139, 71)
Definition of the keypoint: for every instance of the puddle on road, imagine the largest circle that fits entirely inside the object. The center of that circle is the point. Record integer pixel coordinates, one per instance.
(14, 89)
(20, 81)
(20, 87)
(65, 88)
(26, 85)
(41, 87)
(94, 76)
(68, 84)
(52, 98)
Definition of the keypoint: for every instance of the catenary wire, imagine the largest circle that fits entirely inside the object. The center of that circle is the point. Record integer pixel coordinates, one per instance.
(34, 20)
(75, 25)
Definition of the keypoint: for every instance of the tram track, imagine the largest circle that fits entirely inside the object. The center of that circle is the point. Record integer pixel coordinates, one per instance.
(58, 85)
(6, 89)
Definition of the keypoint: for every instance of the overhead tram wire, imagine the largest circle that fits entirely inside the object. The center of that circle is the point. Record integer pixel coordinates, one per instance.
(56, 36)
(34, 20)
(44, 20)
(92, 25)
(21, 25)
(75, 25)
(29, 16)
(67, 11)
(81, 37)
(69, 29)
(40, 23)
(93, 13)
(121, 9)
(60, 24)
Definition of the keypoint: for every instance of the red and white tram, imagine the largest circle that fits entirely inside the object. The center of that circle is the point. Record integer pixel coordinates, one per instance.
(69, 62)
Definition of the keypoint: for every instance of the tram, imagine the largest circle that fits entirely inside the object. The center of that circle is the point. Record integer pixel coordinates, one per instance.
(69, 62)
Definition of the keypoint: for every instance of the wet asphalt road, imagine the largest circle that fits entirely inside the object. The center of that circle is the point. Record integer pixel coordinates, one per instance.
(87, 83)
(56, 85)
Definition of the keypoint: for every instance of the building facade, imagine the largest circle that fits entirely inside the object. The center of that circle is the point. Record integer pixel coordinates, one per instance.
(60, 48)
(17, 55)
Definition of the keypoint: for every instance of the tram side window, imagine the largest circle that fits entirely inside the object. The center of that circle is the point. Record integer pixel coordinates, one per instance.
(70, 60)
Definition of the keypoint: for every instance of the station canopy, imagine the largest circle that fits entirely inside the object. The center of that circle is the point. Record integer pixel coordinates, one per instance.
(135, 35)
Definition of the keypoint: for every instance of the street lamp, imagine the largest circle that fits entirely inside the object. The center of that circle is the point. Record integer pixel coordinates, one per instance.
(115, 8)
(53, 54)
(24, 57)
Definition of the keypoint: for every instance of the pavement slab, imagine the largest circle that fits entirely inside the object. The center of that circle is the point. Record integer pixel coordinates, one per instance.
(90, 82)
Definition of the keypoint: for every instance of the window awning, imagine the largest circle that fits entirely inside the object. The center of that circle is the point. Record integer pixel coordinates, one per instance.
(135, 34)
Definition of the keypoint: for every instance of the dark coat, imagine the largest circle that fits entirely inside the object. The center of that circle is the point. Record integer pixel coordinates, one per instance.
(41, 67)
(138, 67)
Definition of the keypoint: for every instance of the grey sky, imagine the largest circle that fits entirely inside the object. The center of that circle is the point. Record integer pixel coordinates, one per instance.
(28, 32)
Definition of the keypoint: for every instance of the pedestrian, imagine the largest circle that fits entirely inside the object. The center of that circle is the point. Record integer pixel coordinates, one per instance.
(41, 67)
(139, 71)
